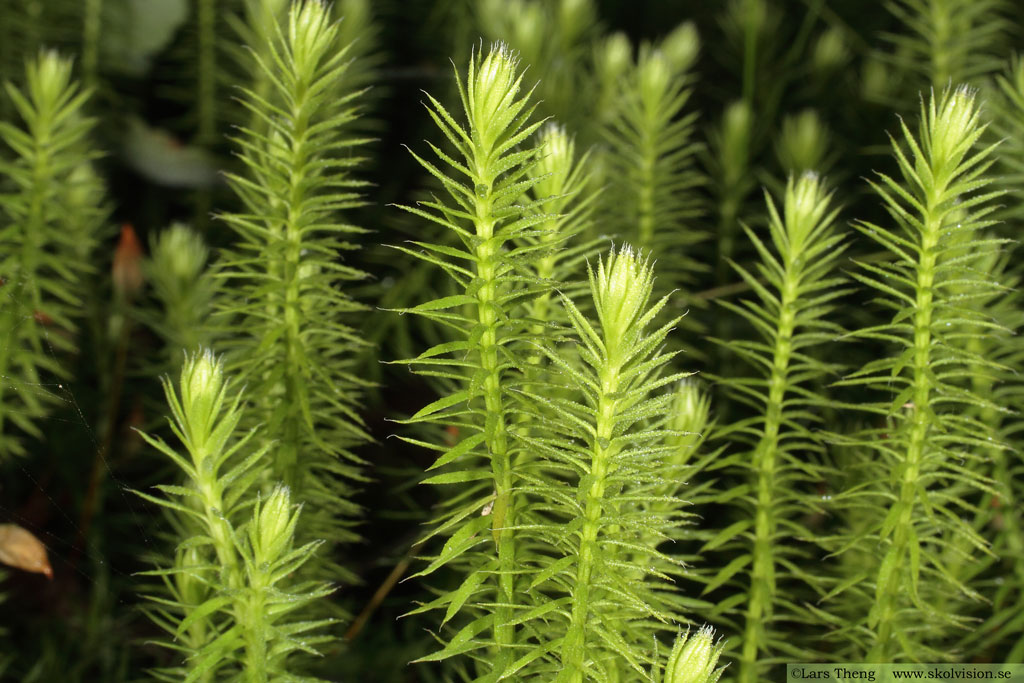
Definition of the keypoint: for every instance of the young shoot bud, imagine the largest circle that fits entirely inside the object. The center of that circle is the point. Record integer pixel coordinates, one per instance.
(622, 288)
(691, 408)
(691, 412)
(803, 145)
(737, 127)
(806, 208)
(202, 394)
(693, 659)
(554, 162)
(274, 526)
(655, 75)
(830, 51)
(49, 79)
(574, 18)
(613, 57)
(178, 257)
(952, 127)
(308, 36)
(682, 46)
(491, 91)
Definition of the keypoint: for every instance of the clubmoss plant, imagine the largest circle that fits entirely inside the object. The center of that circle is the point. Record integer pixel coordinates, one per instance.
(241, 561)
(796, 287)
(612, 59)
(602, 436)
(589, 501)
(651, 199)
(282, 303)
(44, 234)
(487, 217)
(939, 208)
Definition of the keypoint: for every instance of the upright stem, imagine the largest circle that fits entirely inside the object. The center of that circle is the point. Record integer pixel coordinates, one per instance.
(750, 29)
(888, 586)
(91, 24)
(503, 512)
(206, 78)
(645, 202)
(248, 600)
(762, 578)
(575, 648)
(253, 611)
(294, 378)
(942, 27)
(206, 94)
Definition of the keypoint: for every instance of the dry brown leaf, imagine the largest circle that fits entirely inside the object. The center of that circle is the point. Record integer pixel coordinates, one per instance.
(20, 549)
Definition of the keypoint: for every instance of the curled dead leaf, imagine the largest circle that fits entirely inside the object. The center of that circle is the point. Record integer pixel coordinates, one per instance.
(21, 550)
(127, 267)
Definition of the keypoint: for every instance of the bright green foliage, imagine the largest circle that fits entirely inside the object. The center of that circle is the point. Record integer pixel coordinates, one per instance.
(686, 483)
(488, 218)
(916, 458)
(693, 659)
(589, 499)
(50, 219)
(795, 287)
(651, 201)
(286, 336)
(604, 440)
(230, 597)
